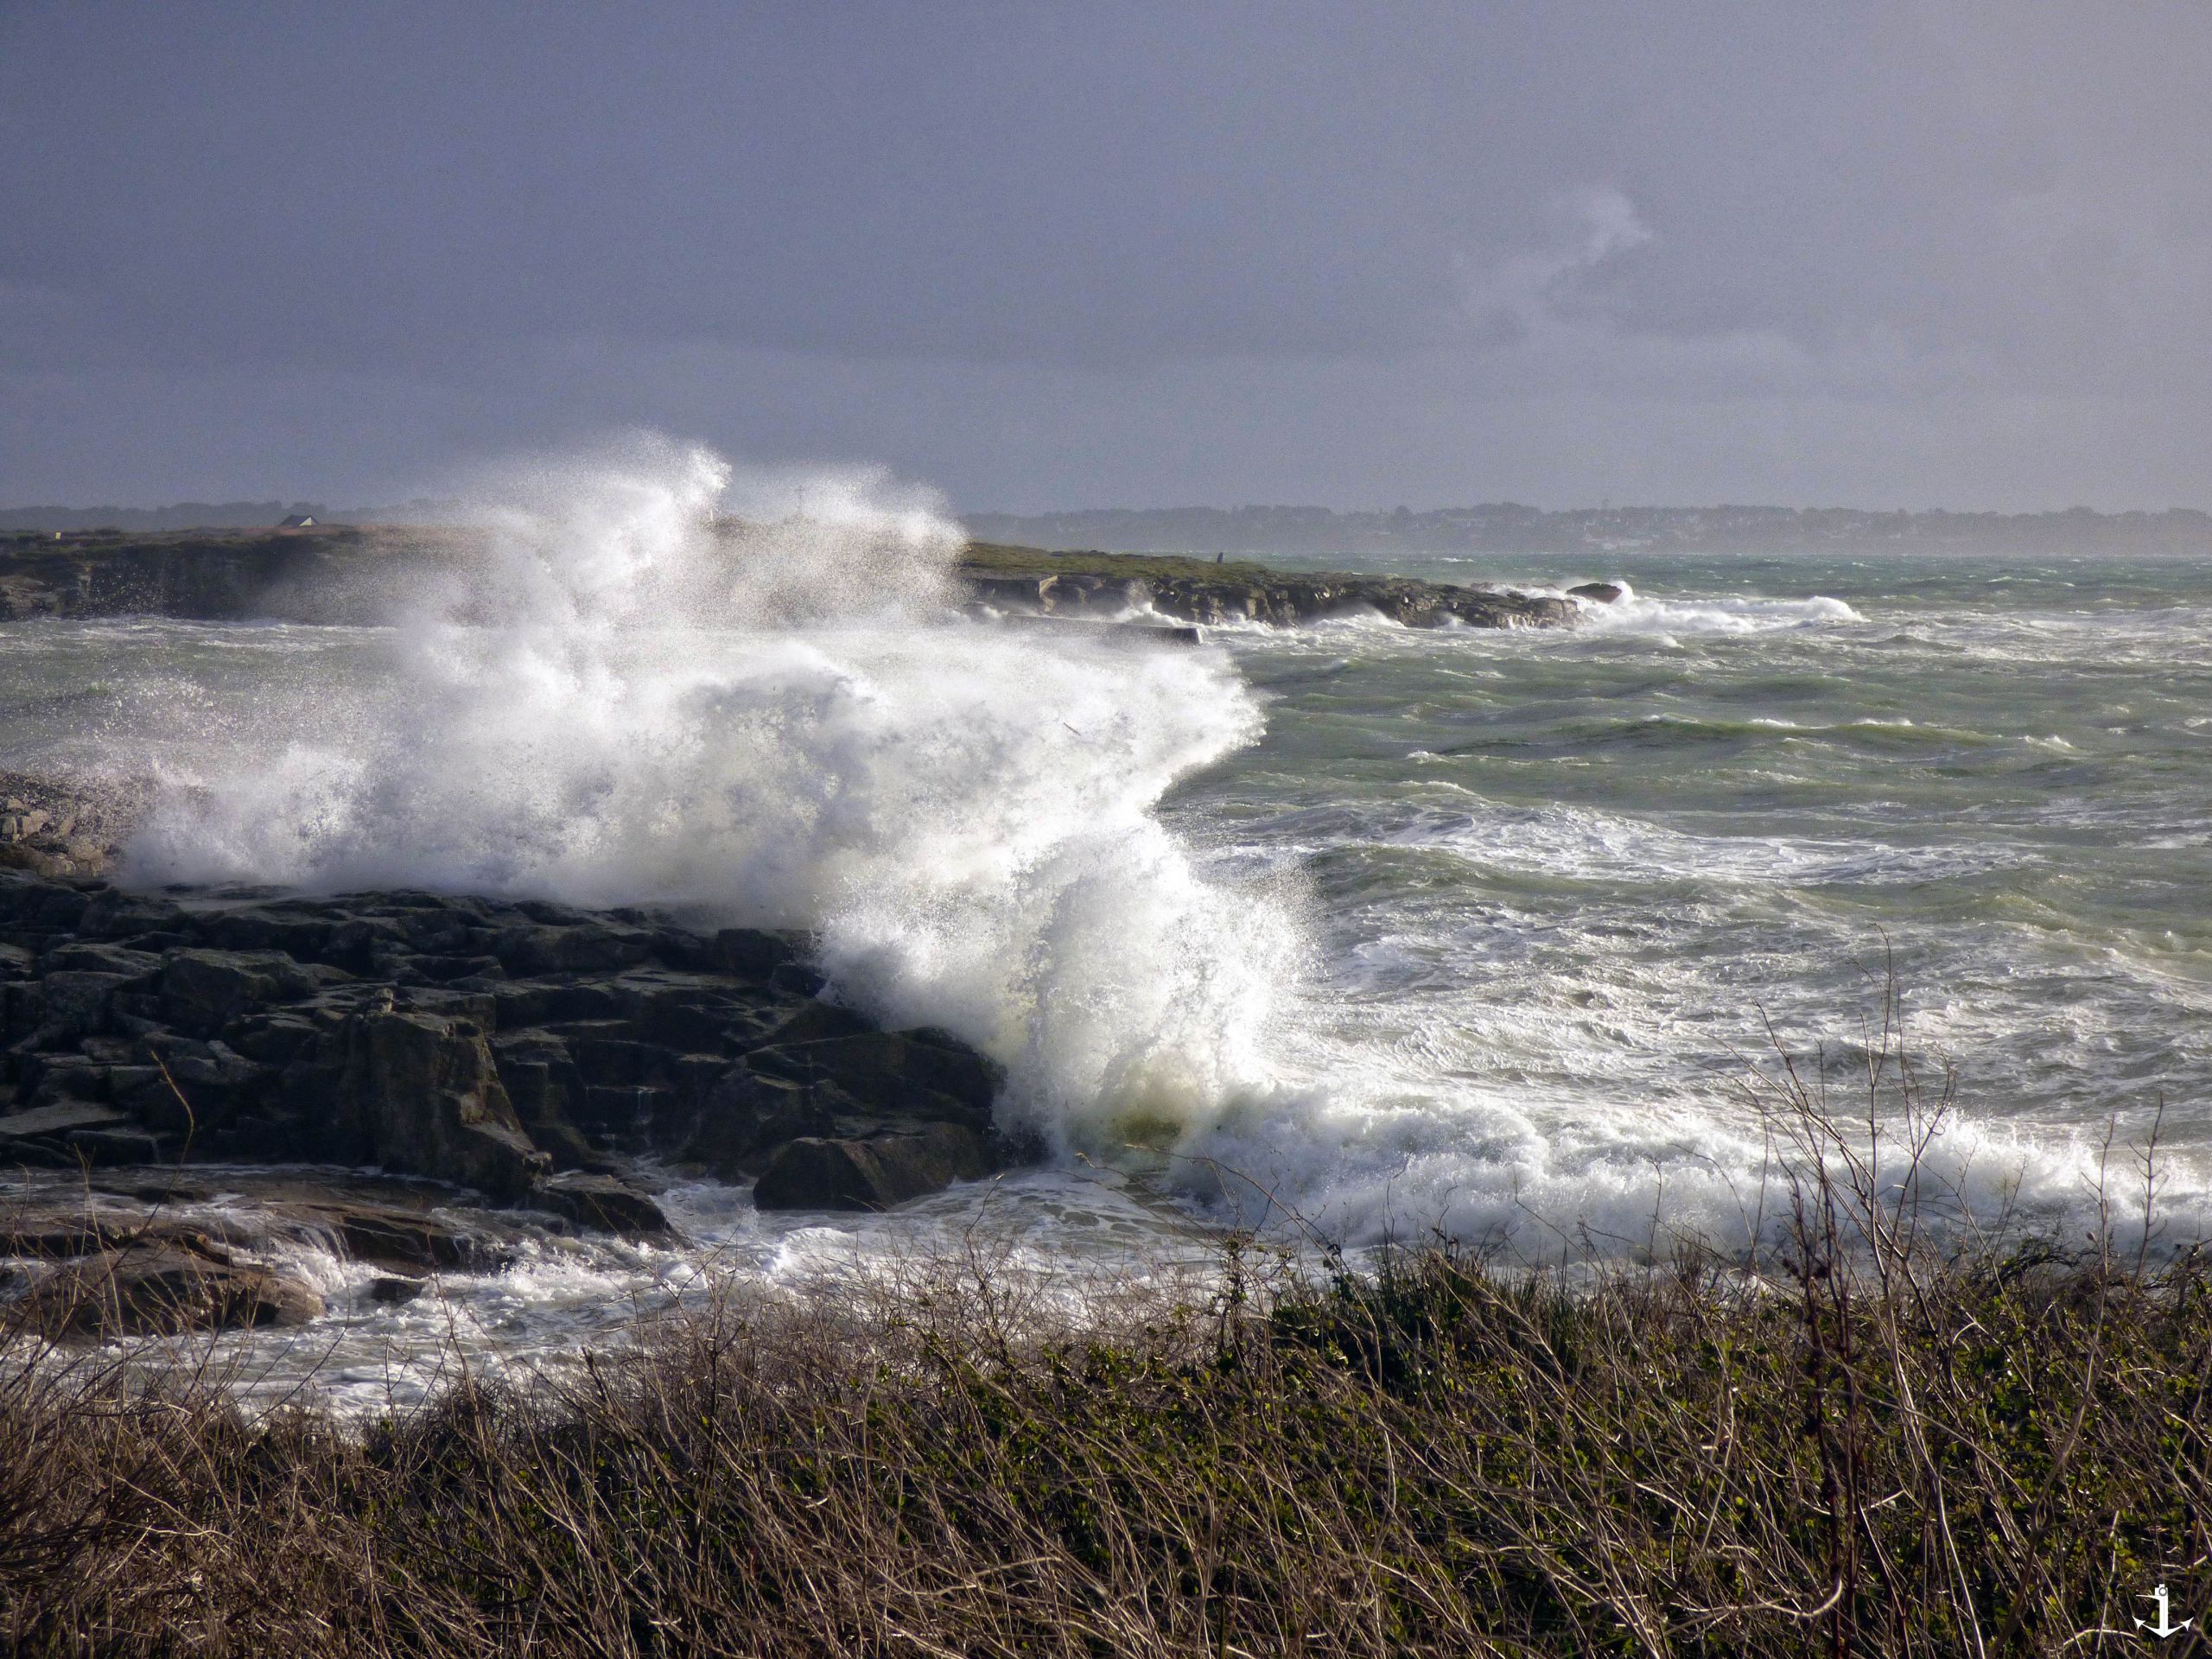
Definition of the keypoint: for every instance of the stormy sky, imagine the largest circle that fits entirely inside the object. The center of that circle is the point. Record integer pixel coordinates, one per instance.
(1885, 254)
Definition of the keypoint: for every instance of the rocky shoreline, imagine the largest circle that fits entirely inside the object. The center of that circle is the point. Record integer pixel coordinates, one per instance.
(527, 1057)
(1273, 597)
(346, 574)
(410, 1056)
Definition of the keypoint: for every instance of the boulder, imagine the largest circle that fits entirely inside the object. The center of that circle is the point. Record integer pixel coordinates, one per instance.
(405, 1241)
(41, 906)
(922, 1074)
(1604, 593)
(603, 1205)
(531, 948)
(746, 1117)
(697, 1017)
(752, 953)
(815, 1021)
(422, 1095)
(159, 1287)
(44, 1135)
(542, 1083)
(872, 1171)
(202, 991)
(78, 1001)
(87, 955)
(115, 914)
(266, 928)
(887, 1068)
(59, 1118)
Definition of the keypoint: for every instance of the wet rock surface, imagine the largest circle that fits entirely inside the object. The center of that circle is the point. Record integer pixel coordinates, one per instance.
(533, 1057)
(1278, 598)
(63, 829)
(102, 1253)
(871, 1172)
(160, 1287)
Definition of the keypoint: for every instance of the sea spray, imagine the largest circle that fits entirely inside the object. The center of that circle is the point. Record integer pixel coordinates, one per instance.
(617, 698)
(1562, 883)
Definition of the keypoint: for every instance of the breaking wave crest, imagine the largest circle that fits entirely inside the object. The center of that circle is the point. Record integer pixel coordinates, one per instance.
(1634, 614)
(618, 698)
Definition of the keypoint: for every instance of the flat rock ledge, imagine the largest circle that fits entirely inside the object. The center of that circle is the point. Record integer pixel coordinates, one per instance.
(535, 1055)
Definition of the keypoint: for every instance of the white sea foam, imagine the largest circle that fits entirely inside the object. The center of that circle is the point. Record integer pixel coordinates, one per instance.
(613, 704)
(1573, 842)
(1633, 614)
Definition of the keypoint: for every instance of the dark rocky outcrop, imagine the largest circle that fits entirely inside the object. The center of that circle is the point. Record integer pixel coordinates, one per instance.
(347, 574)
(1604, 592)
(527, 1051)
(871, 1172)
(1272, 596)
(337, 575)
(422, 1093)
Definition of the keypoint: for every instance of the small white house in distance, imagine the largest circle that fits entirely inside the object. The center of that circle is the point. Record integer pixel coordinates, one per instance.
(298, 521)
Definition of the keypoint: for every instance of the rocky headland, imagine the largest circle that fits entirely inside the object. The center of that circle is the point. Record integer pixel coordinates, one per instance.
(349, 573)
(1099, 585)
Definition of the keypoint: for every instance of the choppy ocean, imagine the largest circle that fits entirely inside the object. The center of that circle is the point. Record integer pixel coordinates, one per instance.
(1374, 931)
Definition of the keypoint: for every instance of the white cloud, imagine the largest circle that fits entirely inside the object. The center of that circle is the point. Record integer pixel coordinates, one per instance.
(1519, 297)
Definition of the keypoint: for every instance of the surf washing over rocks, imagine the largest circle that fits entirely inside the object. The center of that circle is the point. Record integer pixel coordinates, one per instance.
(607, 709)
(1416, 929)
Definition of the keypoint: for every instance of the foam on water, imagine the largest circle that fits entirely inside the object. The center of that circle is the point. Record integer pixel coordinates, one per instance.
(1336, 984)
(610, 706)
(1633, 614)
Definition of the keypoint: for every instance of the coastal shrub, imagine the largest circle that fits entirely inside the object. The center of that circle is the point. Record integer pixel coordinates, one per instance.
(1985, 1451)
(1889, 1428)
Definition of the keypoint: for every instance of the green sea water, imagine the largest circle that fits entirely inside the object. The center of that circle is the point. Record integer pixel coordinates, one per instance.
(1569, 888)
(1396, 932)
(1554, 896)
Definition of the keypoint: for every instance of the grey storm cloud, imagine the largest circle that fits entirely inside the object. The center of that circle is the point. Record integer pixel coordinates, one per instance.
(1064, 255)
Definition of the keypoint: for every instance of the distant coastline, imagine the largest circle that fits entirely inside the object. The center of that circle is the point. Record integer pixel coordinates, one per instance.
(1490, 527)
(1508, 527)
(339, 573)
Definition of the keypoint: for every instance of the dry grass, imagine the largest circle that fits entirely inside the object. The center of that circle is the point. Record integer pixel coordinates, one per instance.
(1878, 1437)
